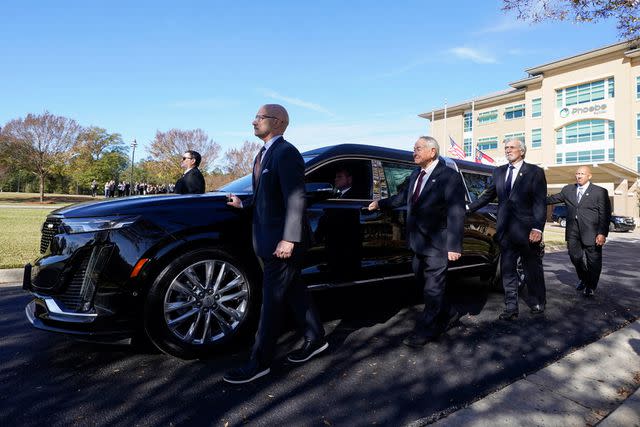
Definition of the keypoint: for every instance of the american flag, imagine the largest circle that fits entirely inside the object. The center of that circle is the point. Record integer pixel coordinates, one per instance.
(456, 150)
(484, 158)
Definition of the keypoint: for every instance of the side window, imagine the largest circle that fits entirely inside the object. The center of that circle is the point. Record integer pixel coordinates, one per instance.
(351, 175)
(396, 175)
(476, 184)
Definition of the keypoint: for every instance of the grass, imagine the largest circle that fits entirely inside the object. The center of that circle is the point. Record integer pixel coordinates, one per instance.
(8, 198)
(20, 235)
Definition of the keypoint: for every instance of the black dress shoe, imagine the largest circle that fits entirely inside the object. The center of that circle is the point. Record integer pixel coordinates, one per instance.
(307, 351)
(418, 340)
(588, 292)
(537, 309)
(580, 286)
(508, 315)
(247, 373)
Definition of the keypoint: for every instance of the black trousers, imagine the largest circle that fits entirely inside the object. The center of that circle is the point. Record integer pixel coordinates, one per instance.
(587, 259)
(532, 264)
(282, 286)
(431, 274)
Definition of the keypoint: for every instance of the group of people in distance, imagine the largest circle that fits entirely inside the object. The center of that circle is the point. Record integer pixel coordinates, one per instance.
(436, 207)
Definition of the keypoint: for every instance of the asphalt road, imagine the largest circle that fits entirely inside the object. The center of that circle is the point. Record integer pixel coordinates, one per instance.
(367, 376)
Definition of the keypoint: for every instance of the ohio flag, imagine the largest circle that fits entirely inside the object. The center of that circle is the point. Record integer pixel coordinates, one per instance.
(483, 158)
(456, 150)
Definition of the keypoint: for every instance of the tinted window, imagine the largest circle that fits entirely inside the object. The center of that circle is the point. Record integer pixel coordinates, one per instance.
(359, 170)
(396, 174)
(476, 184)
(240, 185)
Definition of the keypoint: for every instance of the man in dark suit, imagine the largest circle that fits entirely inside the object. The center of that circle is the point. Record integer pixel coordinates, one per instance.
(343, 182)
(435, 200)
(521, 190)
(192, 181)
(281, 234)
(588, 216)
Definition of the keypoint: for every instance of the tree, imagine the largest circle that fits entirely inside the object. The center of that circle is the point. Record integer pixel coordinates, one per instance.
(167, 148)
(40, 143)
(98, 155)
(626, 12)
(240, 160)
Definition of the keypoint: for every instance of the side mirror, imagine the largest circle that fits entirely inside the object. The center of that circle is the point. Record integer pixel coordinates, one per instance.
(317, 191)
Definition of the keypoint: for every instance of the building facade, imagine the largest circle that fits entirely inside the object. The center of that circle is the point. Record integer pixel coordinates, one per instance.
(581, 110)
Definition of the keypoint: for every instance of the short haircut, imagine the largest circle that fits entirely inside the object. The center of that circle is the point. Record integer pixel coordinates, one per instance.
(431, 142)
(344, 170)
(197, 157)
(523, 146)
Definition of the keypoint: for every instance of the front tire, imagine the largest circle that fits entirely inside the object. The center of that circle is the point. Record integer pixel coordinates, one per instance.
(200, 302)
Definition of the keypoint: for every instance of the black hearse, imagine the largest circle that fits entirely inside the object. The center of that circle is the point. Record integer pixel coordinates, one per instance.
(181, 271)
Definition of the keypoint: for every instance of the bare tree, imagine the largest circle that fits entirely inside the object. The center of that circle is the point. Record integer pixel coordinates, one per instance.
(40, 143)
(167, 148)
(625, 12)
(239, 161)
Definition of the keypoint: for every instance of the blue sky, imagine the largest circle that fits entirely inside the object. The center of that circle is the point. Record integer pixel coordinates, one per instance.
(347, 71)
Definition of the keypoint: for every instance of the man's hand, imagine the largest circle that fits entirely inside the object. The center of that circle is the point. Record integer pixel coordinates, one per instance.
(234, 201)
(454, 256)
(600, 239)
(373, 205)
(535, 236)
(284, 249)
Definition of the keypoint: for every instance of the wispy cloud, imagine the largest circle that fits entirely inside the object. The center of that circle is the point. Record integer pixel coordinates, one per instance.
(475, 55)
(212, 103)
(506, 24)
(404, 68)
(295, 101)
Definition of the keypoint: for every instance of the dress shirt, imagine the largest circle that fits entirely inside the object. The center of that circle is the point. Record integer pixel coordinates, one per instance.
(516, 171)
(427, 174)
(583, 187)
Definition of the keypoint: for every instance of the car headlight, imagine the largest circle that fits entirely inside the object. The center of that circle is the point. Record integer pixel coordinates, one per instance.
(87, 225)
(618, 219)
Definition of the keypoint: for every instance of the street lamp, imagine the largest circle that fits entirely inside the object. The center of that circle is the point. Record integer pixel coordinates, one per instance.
(134, 144)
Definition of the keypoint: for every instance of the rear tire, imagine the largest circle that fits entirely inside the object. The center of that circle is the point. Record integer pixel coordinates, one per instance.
(563, 222)
(201, 302)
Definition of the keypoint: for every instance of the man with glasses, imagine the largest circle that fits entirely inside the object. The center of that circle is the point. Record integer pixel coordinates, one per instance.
(192, 181)
(281, 233)
(521, 189)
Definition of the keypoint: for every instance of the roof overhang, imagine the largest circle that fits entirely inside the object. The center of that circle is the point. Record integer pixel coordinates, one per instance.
(526, 81)
(480, 102)
(602, 173)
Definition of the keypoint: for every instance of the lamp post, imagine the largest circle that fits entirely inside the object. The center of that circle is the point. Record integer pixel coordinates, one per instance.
(134, 144)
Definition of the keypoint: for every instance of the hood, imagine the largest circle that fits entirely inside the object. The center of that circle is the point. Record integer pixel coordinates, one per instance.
(140, 204)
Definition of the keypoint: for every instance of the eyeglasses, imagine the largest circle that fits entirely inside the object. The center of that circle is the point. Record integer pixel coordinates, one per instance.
(261, 117)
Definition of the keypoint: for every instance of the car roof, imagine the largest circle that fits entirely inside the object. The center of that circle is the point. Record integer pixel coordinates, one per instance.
(346, 150)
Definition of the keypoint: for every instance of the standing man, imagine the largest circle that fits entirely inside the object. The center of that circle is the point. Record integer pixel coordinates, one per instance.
(435, 199)
(521, 190)
(588, 216)
(281, 234)
(94, 188)
(192, 181)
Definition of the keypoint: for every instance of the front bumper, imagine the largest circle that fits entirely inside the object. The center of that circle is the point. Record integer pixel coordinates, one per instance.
(623, 226)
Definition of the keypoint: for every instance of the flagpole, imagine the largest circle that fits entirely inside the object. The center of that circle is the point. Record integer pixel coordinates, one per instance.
(473, 126)
(445, 140)
(433, 111)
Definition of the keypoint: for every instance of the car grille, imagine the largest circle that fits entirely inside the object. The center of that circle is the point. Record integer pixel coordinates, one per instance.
(72, 296)
(49, 229)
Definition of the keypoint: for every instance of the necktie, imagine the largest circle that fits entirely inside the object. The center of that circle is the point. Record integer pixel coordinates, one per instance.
(257, 167)
(579, 193)
(416, 192)
(507, 184)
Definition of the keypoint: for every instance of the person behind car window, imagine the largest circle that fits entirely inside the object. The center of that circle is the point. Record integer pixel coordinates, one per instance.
(281, 233)
(192, 181)
(521, 191)
(587, 228)
(343, 182)
(435, 204)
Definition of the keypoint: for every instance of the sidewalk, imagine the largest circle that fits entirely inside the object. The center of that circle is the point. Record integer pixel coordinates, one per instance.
(11, 276)
(595, 385)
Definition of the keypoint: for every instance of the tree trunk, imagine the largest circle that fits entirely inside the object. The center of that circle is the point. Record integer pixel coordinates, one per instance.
(41, 188)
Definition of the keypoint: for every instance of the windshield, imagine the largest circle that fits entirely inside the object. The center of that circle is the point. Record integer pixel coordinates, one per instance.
(243, 185)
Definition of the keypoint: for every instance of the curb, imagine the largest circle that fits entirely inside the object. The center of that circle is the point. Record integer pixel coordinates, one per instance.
(11, 275)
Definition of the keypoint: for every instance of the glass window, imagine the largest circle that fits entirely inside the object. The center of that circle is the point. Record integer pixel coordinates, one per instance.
(467, 146)
(490, 143)
(559, 136)
(518, 135)
(611, 87)
(559, 158)
(397, 176)
(468, 122)
(638, 125)
(585, 131)
(488, 117)
(584, 156)
(559, 98)
(638, 164)
(571, 157)
(536, 138)
(476, 184)
(597, 155)
(612, 130)
(514, 112)
(612, 154)
(536, 107)
(571, 133)
(638, 88)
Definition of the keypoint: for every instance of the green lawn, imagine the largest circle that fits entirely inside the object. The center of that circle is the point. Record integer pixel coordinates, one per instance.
(20, 235)
(33, 199)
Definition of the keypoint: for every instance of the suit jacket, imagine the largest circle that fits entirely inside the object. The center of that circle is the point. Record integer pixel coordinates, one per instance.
(526, 207)
(590, 217)
(192, 182)
(278, 200)
(435, 222)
